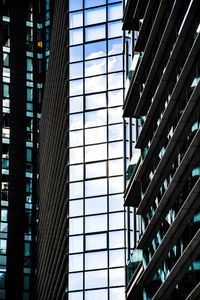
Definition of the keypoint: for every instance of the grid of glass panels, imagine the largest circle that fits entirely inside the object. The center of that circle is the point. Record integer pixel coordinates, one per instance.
(96, 184)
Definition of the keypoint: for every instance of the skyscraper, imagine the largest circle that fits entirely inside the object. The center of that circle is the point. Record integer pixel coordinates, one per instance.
(22, 77)
(81, 225)
(163, 177)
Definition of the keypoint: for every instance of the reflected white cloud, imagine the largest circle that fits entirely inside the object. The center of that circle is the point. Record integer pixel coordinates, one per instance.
(96, 152)
(95, 67)
(96, 118)
(96, 135)
(95, 55)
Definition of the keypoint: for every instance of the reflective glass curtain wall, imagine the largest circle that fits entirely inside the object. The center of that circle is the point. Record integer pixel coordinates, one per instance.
(95, 151)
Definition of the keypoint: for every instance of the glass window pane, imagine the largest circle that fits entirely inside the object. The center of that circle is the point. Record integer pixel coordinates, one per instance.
(75, 104)
(115, 63)
(76, 19)
(75, 70)
(116, 220)
(75, 281)
(76, 121)
(95, 67)
(117, 276)
(96, 223)
(96, 118)
(76, 87)
(115, 98)
(97, 152)
(95, 101)
(95, 205)
(116, 239)
(115, 132)
(6, 90)
(94, 50)
(95, 33)
(115, 115)
(96, 241)
(116, 202)
(6, 59)
(95, 84)
(75, 5)
(95, 187)
(75, 244)
(117, 293)
(96, 260)
(115, 80)
(96, 279)
(95, 135)
(76, 138)
(96, 170)
(115, 46)
(115, 149)
(75, 262)
(76, 36)
(75, 296)
(75, 208)
(95, 16)
(75, 172)
(116, 185)
(114, 29)
(116, 167)
(90, 3)
(116, 258)
(76, 226)
(96, 294)
(76, 155)
(76, 190)
(115, 11)
(75, 53)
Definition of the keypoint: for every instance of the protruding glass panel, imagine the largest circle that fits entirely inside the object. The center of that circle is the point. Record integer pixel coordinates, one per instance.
(95, 15)
(95, 205)
(96, 279)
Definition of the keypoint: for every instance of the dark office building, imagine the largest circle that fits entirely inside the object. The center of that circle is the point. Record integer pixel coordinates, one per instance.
(22, 67)
(163, 185)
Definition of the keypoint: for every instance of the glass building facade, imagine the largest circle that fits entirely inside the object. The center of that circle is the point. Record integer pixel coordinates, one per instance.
(97, 234)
